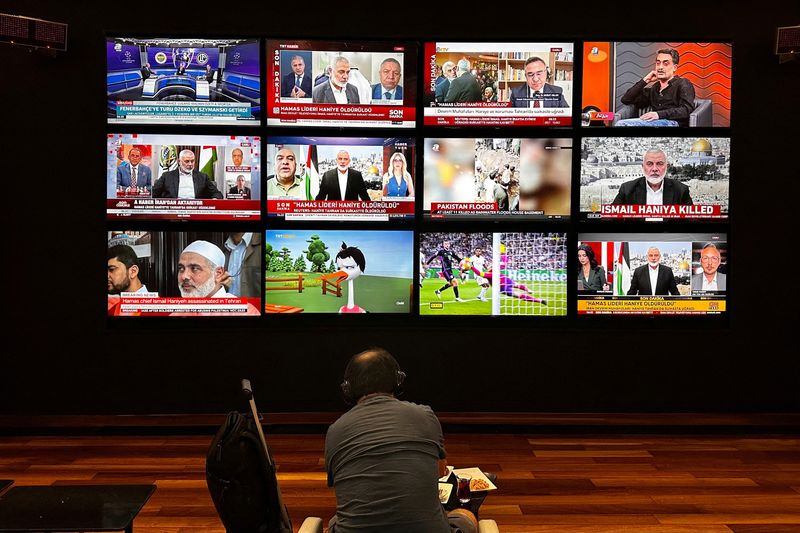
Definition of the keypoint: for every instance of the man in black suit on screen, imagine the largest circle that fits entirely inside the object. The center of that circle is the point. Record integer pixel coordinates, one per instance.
(342, 182)
(653, 274)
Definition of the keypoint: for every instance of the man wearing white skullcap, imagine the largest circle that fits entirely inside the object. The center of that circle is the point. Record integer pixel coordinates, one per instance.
(201, 270)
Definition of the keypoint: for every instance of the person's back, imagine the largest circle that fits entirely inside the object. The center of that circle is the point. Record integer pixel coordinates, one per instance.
(382, 458)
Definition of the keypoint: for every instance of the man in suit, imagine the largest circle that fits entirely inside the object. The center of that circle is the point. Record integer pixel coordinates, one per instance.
(653, 274)
(535, 92)
(389, 88)
(296, 84)
(443, 85)
(710, 279)
(465, 87)
(653, 188)
(239, 191)
(131, 173)
(336, 90)
(342, 182)
(185, 181)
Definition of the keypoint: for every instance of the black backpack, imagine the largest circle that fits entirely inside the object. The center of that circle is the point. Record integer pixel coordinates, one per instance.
(240, 474)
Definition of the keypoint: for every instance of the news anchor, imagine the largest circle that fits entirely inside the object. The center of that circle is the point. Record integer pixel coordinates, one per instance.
(240, 191)
(536, 93)
(336, 90)
(131, 173)
(653, 188)
(653, 278)
(389, 88)
(591, 276)
(342, 182)
(296, 84)
(185, 181)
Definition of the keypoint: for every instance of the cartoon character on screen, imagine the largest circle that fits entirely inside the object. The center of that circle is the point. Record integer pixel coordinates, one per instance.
(352, 263)
(446, 257)
(507, 285)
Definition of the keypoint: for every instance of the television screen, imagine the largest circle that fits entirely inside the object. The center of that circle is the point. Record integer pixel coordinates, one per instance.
(498, 84)
(341, 83)
(182, 80)
(523, 274)
(340, 178)
(645, 84)
(652, 273)
(197, 177)
(182, 273)
(493, 179)
(654, 178)
(339, 271)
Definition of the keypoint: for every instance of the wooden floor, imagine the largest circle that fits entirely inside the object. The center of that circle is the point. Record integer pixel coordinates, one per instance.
(564, 484)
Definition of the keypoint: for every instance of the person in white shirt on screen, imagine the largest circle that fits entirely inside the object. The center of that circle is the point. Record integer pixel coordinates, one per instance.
(201, 271)
(478, 262)
(710, 279)
(285, 183)
(653, 278)
(337, 90)
(342, 182)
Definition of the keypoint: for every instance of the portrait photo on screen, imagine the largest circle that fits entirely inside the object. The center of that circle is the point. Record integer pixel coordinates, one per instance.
(341, 178)
(652, 274)
(180, 273)
(655, 178)
(512, 274)
(186, 177)
(497, 178)
(657, 84)
(338, 271)
(183, 80)
(341, 84)
(498, 84)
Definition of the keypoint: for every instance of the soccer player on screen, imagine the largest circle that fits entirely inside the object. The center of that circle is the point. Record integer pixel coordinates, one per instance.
(446, 257)
(508, 286)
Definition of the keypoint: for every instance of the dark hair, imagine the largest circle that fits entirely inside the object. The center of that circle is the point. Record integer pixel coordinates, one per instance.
(124, 254)
(355, 253)
(590, 254)
(676, 57)
(372, 371)
(532, 59)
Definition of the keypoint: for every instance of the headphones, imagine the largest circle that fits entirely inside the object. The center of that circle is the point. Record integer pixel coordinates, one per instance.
(350, 399)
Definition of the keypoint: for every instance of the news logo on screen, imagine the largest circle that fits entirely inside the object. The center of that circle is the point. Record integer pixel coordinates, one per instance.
(498, 84)
(341, 178)
(655, 178)
(183, 177)
(647, 84)
(180, 273)
(509, 274)
(183, 80)
(341, 84)
(652, 274)
(339, 271)
(497, 178)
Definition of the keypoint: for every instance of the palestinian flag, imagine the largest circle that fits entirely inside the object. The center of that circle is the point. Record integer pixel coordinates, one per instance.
(311, 177)
(208, 160)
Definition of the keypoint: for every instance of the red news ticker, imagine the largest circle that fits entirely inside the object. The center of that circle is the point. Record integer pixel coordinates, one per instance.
(465, 207)
(498, 120)
(665, 211)
(344, 111)
(339, 206)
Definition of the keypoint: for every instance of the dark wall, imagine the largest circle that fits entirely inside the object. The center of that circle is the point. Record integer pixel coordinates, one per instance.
(62, 356)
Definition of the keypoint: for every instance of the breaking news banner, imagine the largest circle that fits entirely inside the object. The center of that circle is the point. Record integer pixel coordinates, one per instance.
(172, 273)
(341, 84)
(654, 274)
(143, 177)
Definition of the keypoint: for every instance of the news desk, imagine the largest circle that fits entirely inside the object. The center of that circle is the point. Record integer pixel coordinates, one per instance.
(72, 508)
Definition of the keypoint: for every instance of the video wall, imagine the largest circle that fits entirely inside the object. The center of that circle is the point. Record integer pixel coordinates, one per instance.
(540, 182)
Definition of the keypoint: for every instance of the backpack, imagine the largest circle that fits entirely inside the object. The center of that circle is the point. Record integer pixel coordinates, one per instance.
(241, 479)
